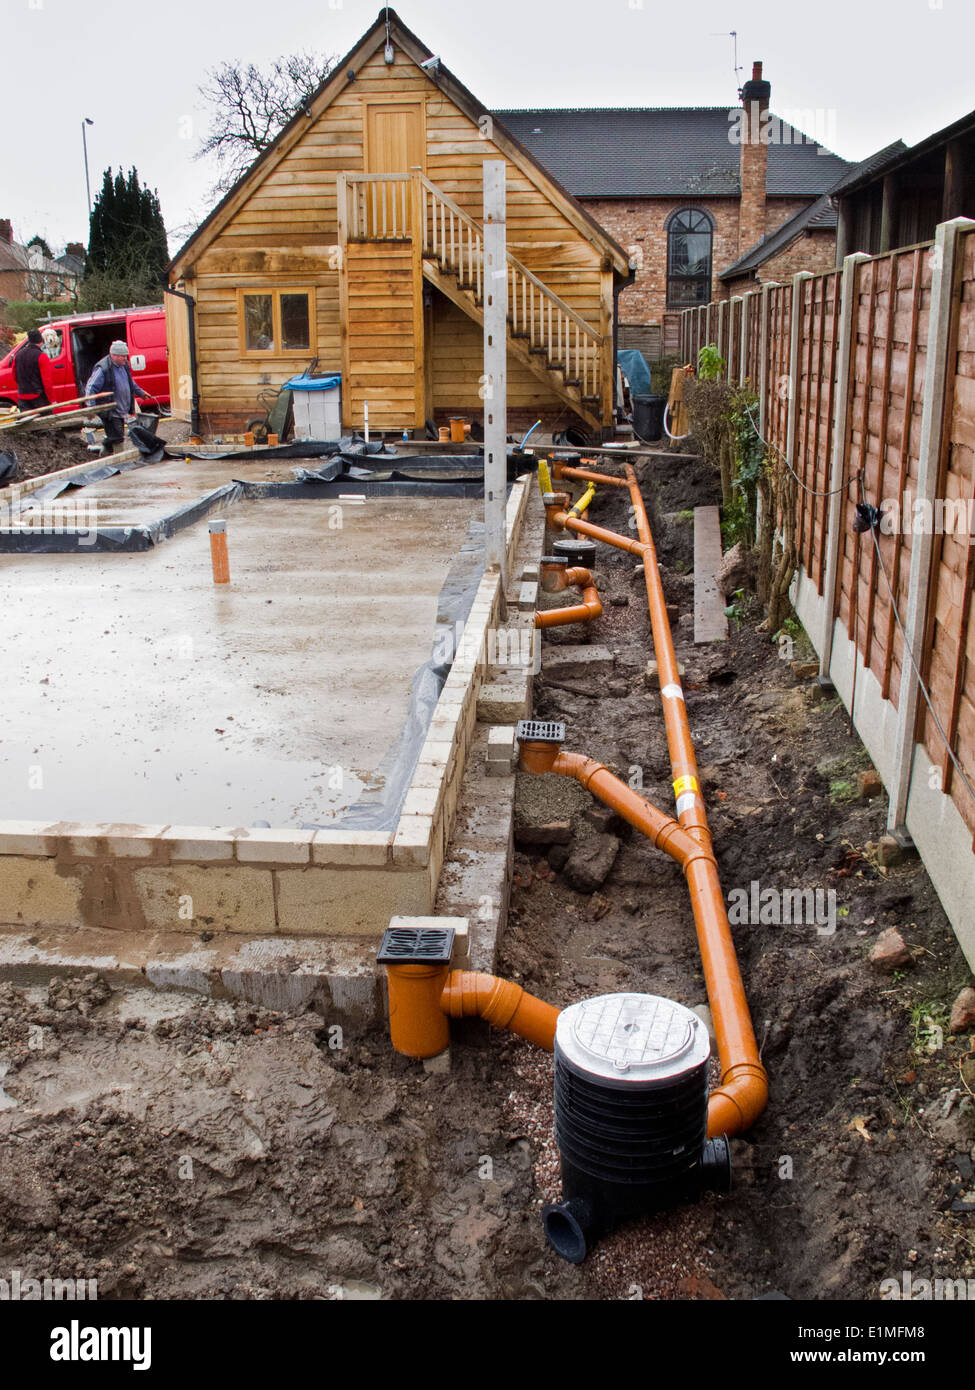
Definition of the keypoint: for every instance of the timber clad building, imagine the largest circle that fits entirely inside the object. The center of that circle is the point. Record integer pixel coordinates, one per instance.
(356, 239)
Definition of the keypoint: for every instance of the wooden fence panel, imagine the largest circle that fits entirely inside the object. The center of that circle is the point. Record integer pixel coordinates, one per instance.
(883, 437)
(816, 382)
(752, 362)
(734, 340)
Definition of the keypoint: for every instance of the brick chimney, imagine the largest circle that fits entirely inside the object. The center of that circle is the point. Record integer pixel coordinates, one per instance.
(754, 159)
(75, 248)
(6, 231)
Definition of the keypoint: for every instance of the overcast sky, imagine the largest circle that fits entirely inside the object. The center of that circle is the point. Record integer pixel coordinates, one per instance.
(873, 70)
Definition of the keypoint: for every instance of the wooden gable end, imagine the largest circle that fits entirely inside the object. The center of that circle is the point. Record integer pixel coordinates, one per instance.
(280, 231)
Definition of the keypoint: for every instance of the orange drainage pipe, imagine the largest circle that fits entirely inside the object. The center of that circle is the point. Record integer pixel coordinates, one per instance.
(563, 470)
(583, 612)
(743, 1092)
(423, 997)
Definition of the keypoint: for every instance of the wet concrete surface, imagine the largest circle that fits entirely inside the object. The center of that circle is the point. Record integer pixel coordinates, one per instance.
(138, 691)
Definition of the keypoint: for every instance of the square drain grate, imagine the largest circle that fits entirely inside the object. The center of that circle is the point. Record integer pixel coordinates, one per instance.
(540, 731)
(416, 946)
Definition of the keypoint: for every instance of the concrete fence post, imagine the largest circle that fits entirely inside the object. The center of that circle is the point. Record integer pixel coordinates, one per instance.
(495, 366)
(841, 415)
(937, 373)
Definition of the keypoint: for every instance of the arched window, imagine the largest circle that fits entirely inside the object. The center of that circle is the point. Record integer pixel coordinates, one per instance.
(689, 234)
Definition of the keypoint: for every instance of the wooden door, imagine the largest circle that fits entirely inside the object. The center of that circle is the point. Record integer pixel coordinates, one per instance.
(181, 365)
(395, 143)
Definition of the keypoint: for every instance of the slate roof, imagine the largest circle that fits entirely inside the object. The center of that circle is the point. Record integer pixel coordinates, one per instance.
(13, 256)
(873, 164)
(664, 151)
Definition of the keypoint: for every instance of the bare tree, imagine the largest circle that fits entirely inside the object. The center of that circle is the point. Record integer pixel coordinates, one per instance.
(249, 105)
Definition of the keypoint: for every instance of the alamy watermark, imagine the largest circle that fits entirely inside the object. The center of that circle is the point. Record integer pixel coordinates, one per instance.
(752, 124)
(920, 516)
(74, 518)
(19, 1288)
(756, 906)
(917, 1289)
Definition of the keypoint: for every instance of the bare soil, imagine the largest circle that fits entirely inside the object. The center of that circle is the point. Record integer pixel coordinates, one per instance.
(47, 451)
(44, 451)
(176, 1147)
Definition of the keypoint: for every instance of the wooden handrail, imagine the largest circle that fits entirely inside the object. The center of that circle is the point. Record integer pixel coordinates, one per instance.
(512, 260)
(446, 232)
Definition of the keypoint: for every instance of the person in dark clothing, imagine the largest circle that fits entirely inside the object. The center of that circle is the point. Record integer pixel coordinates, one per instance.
(32, 368)
(112, 374)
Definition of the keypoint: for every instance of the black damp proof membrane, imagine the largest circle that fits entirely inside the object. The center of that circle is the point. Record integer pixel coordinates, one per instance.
(452, 476)
(39, 540)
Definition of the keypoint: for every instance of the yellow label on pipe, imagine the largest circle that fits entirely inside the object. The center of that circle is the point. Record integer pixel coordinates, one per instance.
(544, 477)
(685, 784)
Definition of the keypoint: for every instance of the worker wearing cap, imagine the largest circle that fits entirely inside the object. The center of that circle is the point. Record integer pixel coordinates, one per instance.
(112, 374)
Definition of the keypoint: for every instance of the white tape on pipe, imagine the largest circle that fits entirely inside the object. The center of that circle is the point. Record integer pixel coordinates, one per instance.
(672, 692)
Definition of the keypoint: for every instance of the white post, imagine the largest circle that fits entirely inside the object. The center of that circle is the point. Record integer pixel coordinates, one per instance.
(495, 383)
(936, 374)
(837, 497)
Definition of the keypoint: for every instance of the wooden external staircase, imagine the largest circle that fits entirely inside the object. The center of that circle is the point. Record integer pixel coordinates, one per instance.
(396, 229)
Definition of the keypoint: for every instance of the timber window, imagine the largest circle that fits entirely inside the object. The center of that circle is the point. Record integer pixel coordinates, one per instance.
(689, 236)
(275, 323)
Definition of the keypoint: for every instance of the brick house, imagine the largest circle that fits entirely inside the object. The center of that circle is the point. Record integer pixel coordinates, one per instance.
(26, 273)
(688, 191)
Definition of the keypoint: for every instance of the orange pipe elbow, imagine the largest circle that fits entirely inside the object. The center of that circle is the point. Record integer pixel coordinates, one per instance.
(422, 999)
(584, 612)
(503, 1004)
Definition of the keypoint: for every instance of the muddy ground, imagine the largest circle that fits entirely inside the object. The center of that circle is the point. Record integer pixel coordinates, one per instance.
(46, 451)
(173, 1147)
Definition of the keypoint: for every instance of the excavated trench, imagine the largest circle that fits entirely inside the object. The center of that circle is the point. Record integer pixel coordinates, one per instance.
(324, 1165)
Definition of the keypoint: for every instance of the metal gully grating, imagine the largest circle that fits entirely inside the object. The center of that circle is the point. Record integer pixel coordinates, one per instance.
(540, 731)
(416, 946)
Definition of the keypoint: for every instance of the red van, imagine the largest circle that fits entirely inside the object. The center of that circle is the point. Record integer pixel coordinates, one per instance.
(84, 339)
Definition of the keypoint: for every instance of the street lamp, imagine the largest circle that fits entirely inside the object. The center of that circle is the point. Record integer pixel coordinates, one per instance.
(84, 140)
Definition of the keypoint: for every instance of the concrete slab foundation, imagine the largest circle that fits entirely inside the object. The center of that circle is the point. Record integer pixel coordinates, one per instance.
(278, 912)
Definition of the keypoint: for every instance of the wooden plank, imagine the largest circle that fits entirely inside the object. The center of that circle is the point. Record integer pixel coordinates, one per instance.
(710, 619)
